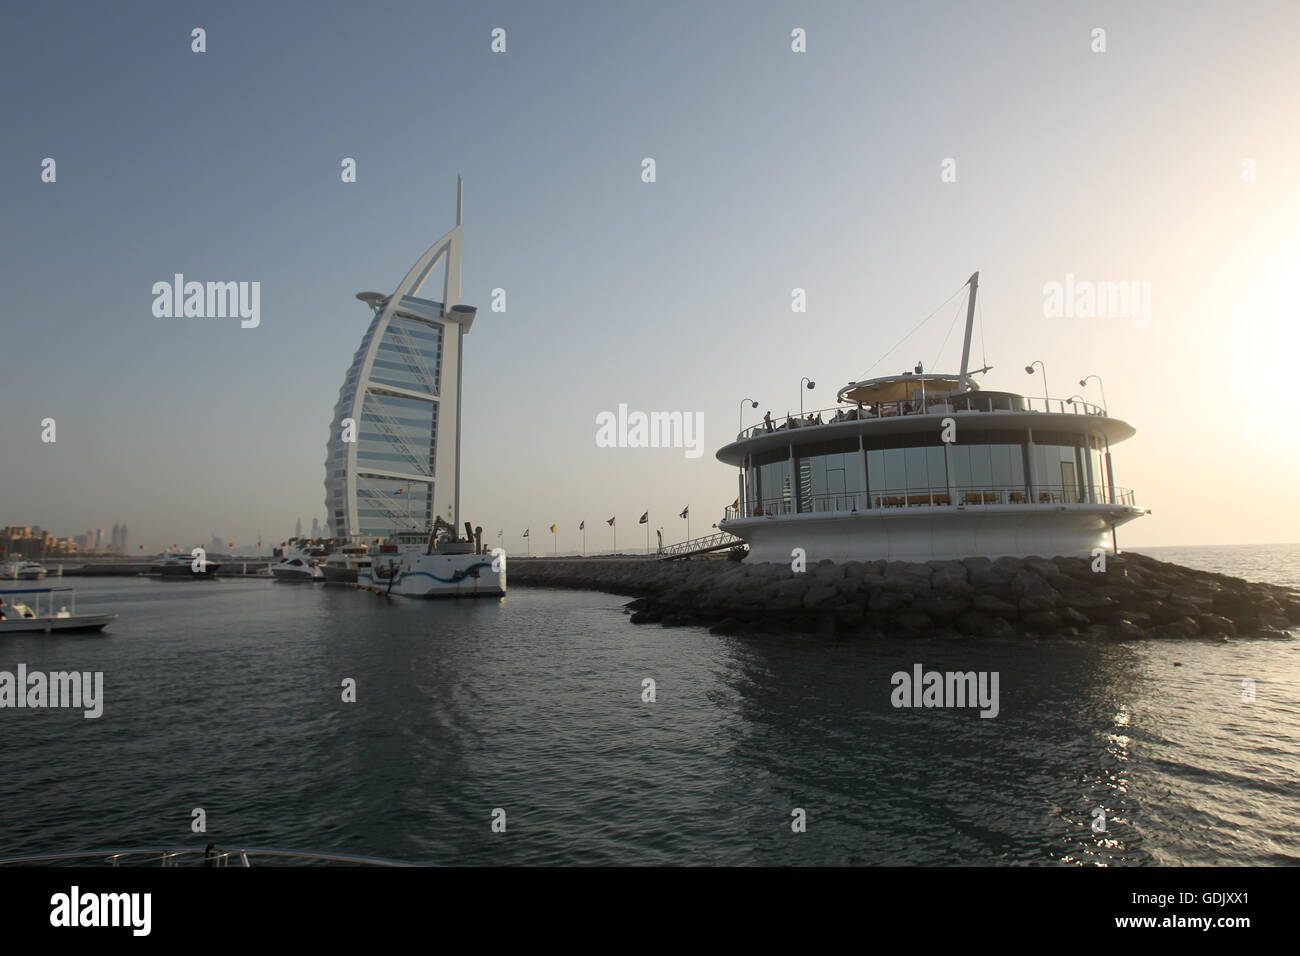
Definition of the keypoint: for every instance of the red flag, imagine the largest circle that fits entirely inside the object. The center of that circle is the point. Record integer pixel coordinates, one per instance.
(610, 522)
(644, 518)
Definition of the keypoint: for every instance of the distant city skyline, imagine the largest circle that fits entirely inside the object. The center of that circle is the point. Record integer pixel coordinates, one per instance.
(806, 210)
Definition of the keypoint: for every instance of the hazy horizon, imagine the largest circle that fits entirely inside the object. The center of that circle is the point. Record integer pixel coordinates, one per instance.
(1169, 160)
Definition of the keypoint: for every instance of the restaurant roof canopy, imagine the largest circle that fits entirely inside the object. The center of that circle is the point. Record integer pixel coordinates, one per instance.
(899, 388)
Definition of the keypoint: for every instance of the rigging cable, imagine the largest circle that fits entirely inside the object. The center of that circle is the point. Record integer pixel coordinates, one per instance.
(938, 354)
(979, 307)
(918, 325)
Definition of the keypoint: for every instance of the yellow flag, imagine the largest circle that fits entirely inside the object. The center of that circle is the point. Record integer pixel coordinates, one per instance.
(552, 529)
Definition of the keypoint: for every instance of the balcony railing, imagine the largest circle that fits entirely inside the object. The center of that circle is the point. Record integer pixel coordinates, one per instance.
(1046, 496)
(992, 403)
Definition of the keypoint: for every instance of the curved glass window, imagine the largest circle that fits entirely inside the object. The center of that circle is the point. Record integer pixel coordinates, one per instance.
(1060, 472)
(994, 473)
(773, 495)
(907, 476)
(830, 476)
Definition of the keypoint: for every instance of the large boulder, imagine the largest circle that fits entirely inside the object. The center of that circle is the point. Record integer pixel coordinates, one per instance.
(942, 609)
(995, 607)
(951, 578)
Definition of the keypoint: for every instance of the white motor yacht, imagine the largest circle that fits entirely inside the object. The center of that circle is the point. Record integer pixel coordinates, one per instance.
(24, 571)
(342, 566)
(298, 566)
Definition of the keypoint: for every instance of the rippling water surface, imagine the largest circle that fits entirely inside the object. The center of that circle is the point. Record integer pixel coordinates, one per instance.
(227, 696)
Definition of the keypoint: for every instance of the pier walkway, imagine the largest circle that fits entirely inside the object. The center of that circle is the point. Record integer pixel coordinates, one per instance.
(718, 541)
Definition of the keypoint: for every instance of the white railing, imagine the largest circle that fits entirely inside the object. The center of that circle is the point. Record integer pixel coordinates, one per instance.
(966, 497)
(992, 403)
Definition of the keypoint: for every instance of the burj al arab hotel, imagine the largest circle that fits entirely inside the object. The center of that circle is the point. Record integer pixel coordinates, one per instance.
(393, 458)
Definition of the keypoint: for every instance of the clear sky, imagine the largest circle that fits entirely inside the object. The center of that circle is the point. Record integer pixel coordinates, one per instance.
(775, 170)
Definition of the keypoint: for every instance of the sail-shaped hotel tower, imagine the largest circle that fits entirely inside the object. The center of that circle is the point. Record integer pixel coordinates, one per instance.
(393, 458)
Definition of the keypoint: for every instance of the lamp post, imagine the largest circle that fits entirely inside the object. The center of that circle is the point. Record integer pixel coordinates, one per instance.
(1084, 382)
(811, 385)
(752, 404)
(1110, 476)
(1030, 369)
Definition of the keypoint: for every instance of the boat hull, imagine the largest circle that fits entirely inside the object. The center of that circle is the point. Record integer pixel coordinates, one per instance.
(184, 572)
(335, 575)
(435, 576)
(71, 624)
(295, 576)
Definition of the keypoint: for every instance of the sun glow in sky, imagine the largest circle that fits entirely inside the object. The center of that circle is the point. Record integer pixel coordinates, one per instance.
(775, 171)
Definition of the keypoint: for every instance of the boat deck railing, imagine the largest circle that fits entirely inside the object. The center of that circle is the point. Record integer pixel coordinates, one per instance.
(1046, 496)
(991, 403)
(210, 856)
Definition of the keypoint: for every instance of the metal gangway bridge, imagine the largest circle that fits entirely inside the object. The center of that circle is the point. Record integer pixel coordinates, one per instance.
(718, 541)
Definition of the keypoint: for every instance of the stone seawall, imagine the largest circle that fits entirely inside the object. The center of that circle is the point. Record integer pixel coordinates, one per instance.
(1134, 597)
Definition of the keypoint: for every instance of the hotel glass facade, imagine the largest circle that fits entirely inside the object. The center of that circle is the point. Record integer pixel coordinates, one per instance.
(384, 481)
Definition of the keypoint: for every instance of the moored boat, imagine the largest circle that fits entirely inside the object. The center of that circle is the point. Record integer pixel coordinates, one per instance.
(18, 616)
(419, 565)
(24, 571)
(342, 566)
(298, 567)
(183, 566)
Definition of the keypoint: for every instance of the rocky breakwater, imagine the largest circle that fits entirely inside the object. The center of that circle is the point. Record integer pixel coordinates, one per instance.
(1133, 597)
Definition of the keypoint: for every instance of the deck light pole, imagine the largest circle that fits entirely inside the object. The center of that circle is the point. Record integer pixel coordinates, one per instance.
(1047, 407)
(811, 385)
(1110, 477)
(1084, 382)
(752, 404)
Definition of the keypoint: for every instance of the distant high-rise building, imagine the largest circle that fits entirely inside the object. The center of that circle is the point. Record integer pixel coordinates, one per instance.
(115, 540)
(99, 539)
(124, 537)
(297, 529)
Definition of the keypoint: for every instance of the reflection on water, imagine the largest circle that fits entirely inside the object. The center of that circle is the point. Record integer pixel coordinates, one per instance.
(227, 696)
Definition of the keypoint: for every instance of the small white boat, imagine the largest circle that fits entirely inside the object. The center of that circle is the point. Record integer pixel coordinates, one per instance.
(17, 616)
(24, 571)
(297, 567)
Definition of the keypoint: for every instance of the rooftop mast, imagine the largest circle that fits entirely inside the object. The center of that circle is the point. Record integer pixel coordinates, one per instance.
(973, 282)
